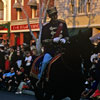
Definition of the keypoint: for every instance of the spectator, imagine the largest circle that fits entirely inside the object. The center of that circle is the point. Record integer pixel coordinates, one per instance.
(27, 63)
(90, 87)
(26, 84)
(34, 53)
(19, 59)
(8, 79)
(7, 63)
(98, 68)
(12, 57)
(19, 76)
(1, 78)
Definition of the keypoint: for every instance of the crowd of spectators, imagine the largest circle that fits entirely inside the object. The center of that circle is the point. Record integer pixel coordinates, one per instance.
(92, 81)
(15, 66)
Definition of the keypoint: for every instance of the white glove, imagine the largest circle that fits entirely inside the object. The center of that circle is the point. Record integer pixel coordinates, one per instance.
(63, 40)
(56, 39)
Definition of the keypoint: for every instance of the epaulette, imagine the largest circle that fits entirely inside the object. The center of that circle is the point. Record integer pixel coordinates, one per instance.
(45, 23)
(61, 20)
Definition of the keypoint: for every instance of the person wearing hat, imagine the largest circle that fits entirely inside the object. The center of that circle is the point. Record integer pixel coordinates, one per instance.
(56, 30)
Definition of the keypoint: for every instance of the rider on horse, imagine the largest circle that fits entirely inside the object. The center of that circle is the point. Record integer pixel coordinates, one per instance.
(53, 32)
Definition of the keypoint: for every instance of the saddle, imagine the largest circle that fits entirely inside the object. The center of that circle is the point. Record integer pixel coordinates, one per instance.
(35, 66)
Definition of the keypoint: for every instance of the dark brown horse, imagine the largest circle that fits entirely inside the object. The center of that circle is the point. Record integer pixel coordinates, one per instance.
(64, 71)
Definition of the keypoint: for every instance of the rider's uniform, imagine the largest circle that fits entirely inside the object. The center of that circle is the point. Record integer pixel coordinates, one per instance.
(54, 30)
(49, 31)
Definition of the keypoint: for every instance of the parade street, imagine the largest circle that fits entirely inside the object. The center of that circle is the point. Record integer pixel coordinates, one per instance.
(4, 95)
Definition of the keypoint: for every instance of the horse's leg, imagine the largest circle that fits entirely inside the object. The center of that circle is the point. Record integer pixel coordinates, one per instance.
(57, 80)
(48, 91)
(39, 93)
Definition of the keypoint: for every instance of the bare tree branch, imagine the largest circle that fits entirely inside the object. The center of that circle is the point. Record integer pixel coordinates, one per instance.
(42, 11)
(45, 12)
(27, 20)
(38, 43)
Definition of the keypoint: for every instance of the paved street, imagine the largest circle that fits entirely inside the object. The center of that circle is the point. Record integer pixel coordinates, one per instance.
(4, 95)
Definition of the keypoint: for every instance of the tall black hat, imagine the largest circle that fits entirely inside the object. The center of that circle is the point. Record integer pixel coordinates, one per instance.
(51, 10)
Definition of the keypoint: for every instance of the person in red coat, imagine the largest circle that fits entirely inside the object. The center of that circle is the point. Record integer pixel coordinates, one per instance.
(7, 63)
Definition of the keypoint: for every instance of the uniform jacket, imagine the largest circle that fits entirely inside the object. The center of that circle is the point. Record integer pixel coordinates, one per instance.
(48, 32)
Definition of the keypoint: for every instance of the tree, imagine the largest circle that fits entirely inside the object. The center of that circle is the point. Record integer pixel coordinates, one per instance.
(43, 6)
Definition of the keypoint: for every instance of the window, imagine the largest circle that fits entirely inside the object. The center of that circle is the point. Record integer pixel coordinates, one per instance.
(33, 6)
(88, 5)
(15, 1)
(72, 6)
(81, 6)
(37, 1)
(34, 13)
(19, 11)
(22, 1)
(1, 10)
(19, 14)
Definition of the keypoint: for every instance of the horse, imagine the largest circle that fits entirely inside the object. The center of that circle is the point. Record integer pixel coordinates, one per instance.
(63, 76)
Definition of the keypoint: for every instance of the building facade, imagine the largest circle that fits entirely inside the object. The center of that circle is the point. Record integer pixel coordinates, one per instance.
(10, 11)
(80, 13)
(76, 13)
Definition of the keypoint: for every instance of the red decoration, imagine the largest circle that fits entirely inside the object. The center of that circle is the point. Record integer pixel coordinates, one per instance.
(18, 41)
